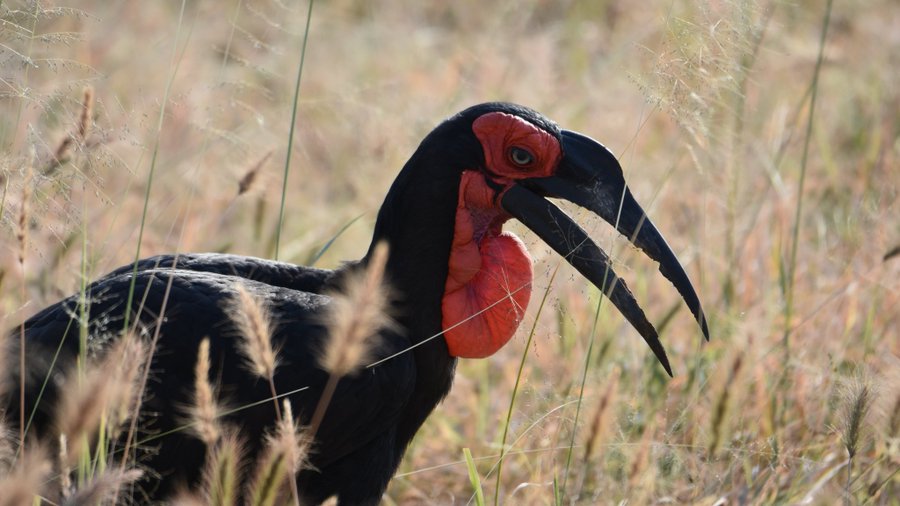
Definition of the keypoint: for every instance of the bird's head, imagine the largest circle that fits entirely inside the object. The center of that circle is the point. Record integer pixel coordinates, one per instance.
(503, 161)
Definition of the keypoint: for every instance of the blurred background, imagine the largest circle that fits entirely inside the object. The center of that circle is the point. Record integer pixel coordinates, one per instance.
(786, 217)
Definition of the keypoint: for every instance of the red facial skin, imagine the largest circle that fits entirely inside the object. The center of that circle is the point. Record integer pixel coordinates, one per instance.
(489, 281)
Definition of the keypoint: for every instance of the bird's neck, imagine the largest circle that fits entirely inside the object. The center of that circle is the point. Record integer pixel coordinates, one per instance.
(417, 220)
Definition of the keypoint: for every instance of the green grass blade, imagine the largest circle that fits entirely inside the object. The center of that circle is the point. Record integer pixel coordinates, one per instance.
(290, 144)
(798, 210)
(176, 63)
(512, 398)
(474, 478)
(315, 258)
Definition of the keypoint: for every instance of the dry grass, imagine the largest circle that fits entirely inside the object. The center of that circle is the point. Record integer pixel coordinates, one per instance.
(356, 314)
(204, 412)
(706, 104)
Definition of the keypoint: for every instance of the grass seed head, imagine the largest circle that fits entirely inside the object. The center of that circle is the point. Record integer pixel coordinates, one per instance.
(205, 411)
(285, 455)
(221, 474)
(857, 398)
(246, 182)
(105, 488)
(87, 114)
(107, 390)
(7, 452)
(25, 481)
(292, 438)
(22, 223)
(254, 323)
(355, 316)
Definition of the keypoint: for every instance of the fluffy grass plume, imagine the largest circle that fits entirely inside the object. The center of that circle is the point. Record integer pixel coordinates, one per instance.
(106, 488)
(221, 476)
(254, 323)
(25, 481)
(856, 400)
(285, 452)
(355, 316)
(104, 395)
(253, 320)
(204, 411)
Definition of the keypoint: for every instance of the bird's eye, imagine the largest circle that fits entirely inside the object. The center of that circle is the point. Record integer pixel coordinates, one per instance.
(520, 156)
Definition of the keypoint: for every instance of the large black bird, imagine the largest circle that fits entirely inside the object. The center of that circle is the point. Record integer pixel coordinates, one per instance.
(449, 260)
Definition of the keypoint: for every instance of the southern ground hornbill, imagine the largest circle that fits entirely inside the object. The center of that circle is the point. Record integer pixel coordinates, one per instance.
(450, 262)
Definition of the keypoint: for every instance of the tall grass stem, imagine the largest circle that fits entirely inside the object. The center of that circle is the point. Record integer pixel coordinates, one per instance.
(290, 143)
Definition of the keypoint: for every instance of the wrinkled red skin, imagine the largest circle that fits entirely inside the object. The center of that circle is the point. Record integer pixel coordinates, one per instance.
(489, 281)
(490, 274)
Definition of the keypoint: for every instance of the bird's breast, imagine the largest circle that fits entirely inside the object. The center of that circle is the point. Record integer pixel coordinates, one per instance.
(489, 277)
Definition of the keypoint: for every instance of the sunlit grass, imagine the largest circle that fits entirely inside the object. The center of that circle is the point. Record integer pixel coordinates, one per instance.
(707, 105)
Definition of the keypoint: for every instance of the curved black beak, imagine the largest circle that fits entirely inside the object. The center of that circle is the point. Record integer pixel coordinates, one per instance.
(591, 177)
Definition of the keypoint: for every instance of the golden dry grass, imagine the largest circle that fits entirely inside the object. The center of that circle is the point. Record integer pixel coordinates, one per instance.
(706, 104)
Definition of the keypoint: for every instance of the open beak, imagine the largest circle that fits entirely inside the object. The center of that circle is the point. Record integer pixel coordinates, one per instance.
(591, 177)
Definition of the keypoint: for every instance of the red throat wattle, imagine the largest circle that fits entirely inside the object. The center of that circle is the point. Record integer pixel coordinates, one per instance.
(489, 280)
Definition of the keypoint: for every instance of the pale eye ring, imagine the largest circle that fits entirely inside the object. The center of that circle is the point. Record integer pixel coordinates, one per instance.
(520, 156)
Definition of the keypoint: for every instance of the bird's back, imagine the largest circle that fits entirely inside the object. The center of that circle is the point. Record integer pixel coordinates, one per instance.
(195, 295)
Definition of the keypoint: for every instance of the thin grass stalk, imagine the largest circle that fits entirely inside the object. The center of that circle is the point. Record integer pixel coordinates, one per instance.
(22, 239)
(599, 424)
(315, 258)
(233, 23)
(322, 405)
(40, 394)
(790, 274)
(98, 460)
(721, 406)
(150, 352)
(290, 143)
(587, 363)
(83, 310)
(515, 390)
(5, 182)
(587, 358)
(175, 63)
(798, 211)
(188, 426)
(640, 463)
